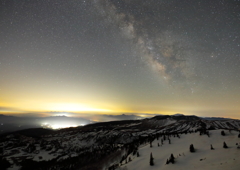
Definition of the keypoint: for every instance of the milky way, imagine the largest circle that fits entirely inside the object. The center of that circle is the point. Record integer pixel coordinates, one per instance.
(174, 37)
(164, 51)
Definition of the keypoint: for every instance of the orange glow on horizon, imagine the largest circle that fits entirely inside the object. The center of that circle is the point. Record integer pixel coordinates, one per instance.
(40, 108)
(74, 107)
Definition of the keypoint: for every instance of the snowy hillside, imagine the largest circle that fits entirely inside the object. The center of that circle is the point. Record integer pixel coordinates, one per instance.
(203, 158)
(108, 145)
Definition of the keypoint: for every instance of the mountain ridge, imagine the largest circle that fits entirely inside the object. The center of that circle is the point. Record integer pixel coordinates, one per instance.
(105, 143)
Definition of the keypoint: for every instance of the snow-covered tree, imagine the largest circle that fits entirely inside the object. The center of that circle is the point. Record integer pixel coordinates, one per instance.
(225, 145)
(151, 159)
(138, 154)
(172, 159)
(192, 149)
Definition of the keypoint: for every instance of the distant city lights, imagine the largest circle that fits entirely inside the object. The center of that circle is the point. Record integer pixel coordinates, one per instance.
(59, 126)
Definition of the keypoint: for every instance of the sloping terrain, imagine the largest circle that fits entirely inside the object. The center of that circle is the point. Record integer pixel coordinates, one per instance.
(203, 158)
(104, 145)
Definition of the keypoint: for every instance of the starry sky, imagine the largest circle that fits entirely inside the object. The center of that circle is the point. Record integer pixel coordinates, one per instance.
(120, 56)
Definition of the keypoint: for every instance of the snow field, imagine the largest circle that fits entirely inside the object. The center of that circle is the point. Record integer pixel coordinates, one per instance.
(202, 158)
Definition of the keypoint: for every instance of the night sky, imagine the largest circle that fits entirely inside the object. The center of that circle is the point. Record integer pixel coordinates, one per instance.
(120, 56)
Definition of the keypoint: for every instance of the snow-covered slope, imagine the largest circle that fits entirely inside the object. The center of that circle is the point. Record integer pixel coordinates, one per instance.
(106, 144)
(203, 158)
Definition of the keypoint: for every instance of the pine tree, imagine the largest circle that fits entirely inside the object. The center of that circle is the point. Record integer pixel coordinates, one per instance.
(192, 149)
(225, 145)
(151, 159)
(172, 159)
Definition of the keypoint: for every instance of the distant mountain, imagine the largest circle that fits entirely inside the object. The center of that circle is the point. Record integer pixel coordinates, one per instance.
(178, 114)
(120, 117)
(14, 123)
